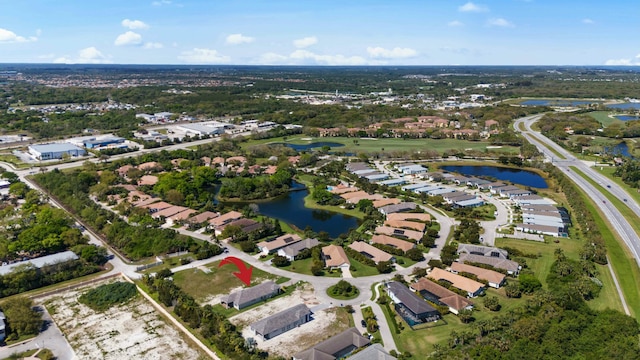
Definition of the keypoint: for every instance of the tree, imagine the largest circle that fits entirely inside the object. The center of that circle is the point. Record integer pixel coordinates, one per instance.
(280, 261)
(234, 232)
(466, 316)
(449, 253)
(512, 290)
(384, 267)
(492, 303)
(22, 318)
(529, 283)
(414, 254)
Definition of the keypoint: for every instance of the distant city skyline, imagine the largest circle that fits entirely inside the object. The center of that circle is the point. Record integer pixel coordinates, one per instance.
(329, 32)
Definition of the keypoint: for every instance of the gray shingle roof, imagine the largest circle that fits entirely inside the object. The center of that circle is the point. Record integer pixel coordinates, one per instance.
(281, 319)
(373, 352)
(333, 345)
(295, 248)
(251, 293)
(409, 299)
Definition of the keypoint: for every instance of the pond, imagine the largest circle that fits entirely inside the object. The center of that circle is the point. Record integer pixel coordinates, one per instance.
(552, 102)
(313, 145)
(627, 117)
(516, 176)
(626, 106)
(290, 209)
(621, 149)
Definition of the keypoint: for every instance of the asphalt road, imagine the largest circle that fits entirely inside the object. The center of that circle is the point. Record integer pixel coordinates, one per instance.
(618, 222)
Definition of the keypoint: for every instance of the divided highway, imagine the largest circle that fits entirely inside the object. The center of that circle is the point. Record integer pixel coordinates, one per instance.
(619, 223)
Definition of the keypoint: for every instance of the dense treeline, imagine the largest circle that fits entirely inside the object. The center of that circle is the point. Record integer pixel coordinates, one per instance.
(259, 187)
(629, 172)
(135, 242)
(23, 319)
(547, 327)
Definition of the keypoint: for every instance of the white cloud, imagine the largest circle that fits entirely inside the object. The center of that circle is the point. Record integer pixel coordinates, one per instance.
(271, 59)
(161, 2)
(134, 24)
(623, 62)
(128, 38)
(90, 55)
(9, 36)
(500, 22)
(237, 39)
(395, 53)
(455, 23)
(471, 7)
(203, 56)
(306, 56)
(587, 21)
(153, 45)
(305, 42)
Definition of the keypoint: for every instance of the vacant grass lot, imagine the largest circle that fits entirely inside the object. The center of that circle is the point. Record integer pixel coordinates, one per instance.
(201, 285)
(604, 118)
(367, 145)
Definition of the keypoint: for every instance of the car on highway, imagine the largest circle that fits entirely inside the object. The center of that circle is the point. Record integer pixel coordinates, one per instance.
(609, 186)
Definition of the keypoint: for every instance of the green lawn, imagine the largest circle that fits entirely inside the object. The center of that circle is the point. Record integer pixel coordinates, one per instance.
(352, 295)
(604, 118)
(304, 267)
(219, 281)
(359, 269)
(383, 144)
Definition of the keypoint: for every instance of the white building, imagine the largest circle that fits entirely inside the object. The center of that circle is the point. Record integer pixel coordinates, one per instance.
(54, 151)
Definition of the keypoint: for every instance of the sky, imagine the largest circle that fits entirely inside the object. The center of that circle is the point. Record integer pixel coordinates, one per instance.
(321, 32)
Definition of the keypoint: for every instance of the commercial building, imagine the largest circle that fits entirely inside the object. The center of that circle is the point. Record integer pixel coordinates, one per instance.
(55, 151)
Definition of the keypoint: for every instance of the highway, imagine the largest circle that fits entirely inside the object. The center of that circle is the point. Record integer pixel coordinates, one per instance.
(620, 225)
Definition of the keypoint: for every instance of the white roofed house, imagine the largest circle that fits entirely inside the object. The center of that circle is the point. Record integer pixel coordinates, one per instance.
(268, 247)
(248, 296)
(292, 250)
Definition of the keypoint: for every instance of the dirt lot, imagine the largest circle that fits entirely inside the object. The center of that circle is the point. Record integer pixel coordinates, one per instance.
(130, 331)
(327, 322)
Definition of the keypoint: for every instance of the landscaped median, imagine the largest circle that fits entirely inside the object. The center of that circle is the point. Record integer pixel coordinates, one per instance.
(624, 265)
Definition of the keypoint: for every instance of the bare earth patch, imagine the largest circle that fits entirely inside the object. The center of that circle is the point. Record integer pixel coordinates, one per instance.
(325, 322)
(130, 331)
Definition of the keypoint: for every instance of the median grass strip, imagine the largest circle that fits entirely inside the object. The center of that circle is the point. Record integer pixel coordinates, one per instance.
(624, 265)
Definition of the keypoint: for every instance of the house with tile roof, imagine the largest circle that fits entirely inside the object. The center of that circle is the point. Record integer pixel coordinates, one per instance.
(440, 295)
(403, 224)
(493, 278)
(424, 217)
(268, 247)
(335, 257)
(399, 233)
(393, 242)
(471, 287)
(292, 250)
(371, 252)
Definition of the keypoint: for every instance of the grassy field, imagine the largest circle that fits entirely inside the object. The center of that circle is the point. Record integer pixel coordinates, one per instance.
(200, 285)
(604, 118)
(359, 269)
(304, 267)
(368, 145)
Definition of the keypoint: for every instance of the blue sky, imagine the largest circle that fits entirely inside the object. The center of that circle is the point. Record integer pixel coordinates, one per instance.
(327, 32)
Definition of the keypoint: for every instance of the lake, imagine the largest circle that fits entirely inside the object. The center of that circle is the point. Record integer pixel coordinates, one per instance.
(627, 117)
(516, 176)
(621, 149)
(551, 102)
(290, 209)
(625, 106)
(313, 145)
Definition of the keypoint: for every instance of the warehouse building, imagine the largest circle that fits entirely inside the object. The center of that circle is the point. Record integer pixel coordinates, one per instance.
(54, 151)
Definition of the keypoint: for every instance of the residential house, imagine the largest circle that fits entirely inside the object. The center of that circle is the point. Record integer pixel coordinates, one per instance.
(440, 295)
(150, 166)
(281, 322)
(471, 287)
(224, 219)
(335, 347)
(384, 202)
(409, 216)
(149, 180)
(393, 242)
(156, 206)
(267, 247)
(341, 189)
(246, 225)
(493, 278)
(123, 170)
(371, 252)
(401, 207)
(399, 233)
(335, 257)
(180, 217)
(402, 224)
(292, 250)
(409, 305)
(167, 212)
(511, 267)
(482, 251)
(202, 217)
(372, 352)
(252, 295)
